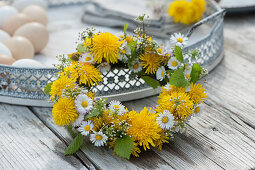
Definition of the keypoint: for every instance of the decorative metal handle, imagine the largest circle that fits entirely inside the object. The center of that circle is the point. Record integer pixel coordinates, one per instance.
(221, 13)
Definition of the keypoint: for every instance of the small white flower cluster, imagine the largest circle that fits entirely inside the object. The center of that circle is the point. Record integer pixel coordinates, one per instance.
(179, 40)
(84, 105)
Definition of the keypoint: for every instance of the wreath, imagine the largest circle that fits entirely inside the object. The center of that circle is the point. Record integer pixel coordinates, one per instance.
(128, 132)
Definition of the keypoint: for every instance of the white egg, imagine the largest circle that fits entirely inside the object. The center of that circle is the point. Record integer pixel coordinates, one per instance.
(29, 63)
(5, 50)
(4, 36)
(21, 4)
(36, 33)
(5, 13)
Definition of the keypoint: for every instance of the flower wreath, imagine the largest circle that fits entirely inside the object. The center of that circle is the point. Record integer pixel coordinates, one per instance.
(127, 132)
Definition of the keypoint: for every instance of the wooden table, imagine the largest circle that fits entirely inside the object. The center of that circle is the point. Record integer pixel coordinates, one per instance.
(221, 137)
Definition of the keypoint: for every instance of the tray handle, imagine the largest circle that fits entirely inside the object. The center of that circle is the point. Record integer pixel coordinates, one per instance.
(221, 13)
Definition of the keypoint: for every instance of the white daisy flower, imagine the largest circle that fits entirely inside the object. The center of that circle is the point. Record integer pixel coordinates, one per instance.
(165, 120)
(116, 106)
(179, 39)
(86, 127)
(161, 73)
(197, 109)
(173, 63)
(104, 67)
(168, 87)
(83, 103)
(98, 138)
(85, 57)
(78, 121)
(187, 72)
(120, 35)
(136, 67)
(162, 50)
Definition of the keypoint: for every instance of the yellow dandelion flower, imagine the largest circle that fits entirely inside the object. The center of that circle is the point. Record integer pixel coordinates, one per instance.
(150, 61)
(71, 71)
(129, 39)
(197, 93)
(169, 89)
(105, 46)
(64, 112)
(181, 11)
(178, 103)
(60, 84)
(91, 95)
(87, 42)
(144, 129)
(163, 138)
(88, 74)
(198, 7)
(74, 56)
(136, 150)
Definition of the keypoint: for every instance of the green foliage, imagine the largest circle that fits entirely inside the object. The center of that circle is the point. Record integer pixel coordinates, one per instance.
(75, 145)
(195, 73)
(151, 82)
(70, 130)
(194, 54)
(47, 88)
(124, 147)
(125, 29)
(98, 108)
(178, 54)
(80, 48)
(177, 79)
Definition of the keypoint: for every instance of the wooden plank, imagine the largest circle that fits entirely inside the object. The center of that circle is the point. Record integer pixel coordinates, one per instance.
(26, 143)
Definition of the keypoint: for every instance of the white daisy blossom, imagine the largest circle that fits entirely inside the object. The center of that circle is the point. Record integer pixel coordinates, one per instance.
(178, 39)
(116, 106)
(86, 127)
(168, 87)
(161, 73)
(104, 67)
(165, 120)
(187, 72)
(120, 35)
(173, 63)
(85, 57)
(98, 138)
(136, 67)
(78, 121)
(83, 103)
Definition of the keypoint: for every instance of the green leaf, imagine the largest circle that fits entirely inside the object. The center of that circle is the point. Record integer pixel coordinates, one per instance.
(178, 54)
(195, 73)
(80, 48)
(70, 130)
(177, 79)
(125, 29)
(124, 147)
(75, 145)
(151, 82)
(98, 108)
(47, 88)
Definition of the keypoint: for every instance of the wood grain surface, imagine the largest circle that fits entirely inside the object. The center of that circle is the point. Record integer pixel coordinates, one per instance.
(222, 136)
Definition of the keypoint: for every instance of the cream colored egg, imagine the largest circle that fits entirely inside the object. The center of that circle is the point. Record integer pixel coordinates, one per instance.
(20, 47)
(21, 4)
(7, 60)
(5, 13)
(36, 33)
(14, 22)
(4, 50)
(30, 63)
(4, 36)
(2, 3)
(36, 13)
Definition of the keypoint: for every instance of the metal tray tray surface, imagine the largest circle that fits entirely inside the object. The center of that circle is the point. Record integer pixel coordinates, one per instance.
(24, 86)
